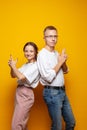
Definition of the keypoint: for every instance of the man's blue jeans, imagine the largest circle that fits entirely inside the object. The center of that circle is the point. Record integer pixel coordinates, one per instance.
(58, 106)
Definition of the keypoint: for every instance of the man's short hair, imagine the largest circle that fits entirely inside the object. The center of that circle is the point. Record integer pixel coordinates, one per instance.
(49, 28)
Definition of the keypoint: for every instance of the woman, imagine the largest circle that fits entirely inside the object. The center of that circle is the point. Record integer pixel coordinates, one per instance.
(28, 78)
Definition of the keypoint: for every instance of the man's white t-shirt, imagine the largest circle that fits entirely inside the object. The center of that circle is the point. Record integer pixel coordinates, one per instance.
(46, 62)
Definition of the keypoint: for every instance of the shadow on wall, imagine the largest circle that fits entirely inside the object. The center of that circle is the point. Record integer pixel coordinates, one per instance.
(39, 117)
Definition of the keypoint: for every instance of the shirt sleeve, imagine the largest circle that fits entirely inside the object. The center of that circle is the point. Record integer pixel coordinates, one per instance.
(47, 73)
(31, 73)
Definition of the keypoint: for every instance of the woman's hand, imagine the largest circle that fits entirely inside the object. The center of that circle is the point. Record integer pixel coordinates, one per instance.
(12, 62)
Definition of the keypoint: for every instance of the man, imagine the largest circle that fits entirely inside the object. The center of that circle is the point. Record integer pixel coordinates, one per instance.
(52, 65)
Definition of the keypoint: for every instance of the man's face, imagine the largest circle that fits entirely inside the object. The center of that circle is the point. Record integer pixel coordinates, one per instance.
(50, 37)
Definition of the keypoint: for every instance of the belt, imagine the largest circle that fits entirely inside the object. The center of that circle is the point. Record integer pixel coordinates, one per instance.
(22, 85)
(57, 87)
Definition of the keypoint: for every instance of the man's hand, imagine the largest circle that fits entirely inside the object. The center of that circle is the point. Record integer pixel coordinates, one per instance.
(64, 54)
(62, 57)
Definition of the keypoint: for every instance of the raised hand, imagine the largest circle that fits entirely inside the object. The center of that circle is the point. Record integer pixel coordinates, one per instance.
(64, 54)
(62, 57)
(12, 62)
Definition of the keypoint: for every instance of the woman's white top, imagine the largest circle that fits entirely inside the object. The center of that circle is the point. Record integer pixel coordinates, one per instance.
(31, 72)
(46, 62)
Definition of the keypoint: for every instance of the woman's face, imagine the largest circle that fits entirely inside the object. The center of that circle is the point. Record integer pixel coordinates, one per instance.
(30, 53)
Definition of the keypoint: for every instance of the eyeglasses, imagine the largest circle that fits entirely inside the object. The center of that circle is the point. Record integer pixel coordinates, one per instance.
(51, 36)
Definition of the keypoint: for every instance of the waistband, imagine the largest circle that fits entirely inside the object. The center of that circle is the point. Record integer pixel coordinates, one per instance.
(22, 85)
(55, 87)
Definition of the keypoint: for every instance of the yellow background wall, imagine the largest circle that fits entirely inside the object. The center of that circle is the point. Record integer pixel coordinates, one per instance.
(24, 20)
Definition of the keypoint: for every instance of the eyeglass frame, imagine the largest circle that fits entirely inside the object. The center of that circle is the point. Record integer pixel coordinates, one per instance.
(51, 36)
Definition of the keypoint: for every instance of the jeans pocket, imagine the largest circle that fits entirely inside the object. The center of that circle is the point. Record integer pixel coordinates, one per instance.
(54, 92)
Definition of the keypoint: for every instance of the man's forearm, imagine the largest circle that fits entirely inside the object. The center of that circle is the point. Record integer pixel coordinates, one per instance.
(57, 67)
(65, 68)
